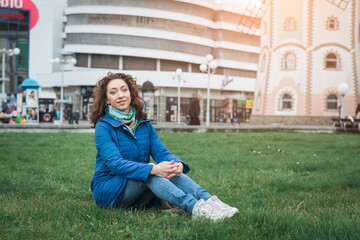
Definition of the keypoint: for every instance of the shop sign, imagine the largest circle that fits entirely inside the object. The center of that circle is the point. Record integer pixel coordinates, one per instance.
(11, 3)
(249, 103)
(21, 4)
(47, 117)
(241, 103)
(226, 81)
(17, 16)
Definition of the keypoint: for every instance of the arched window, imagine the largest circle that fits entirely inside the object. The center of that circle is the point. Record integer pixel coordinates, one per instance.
(289, 61)
(332, 102)
(332, 23)
(290, 24)
(286, 102)
(331, 61)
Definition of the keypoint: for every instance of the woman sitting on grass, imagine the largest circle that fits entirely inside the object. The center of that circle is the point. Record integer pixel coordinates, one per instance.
(125, 140)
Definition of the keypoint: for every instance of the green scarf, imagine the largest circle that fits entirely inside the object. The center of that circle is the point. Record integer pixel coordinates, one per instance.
(128, 119)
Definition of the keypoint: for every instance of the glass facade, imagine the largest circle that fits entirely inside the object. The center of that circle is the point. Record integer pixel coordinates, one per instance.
(171, 108)
(14, 33)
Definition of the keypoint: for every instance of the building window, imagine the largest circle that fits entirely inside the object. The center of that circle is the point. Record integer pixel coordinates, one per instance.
(144, 20)
(331, 61)
(332, 23)
(290, 24)
(168, 65)
(21, 59)
(14, 32)
(289, 61)
(195, 68)
(332, 102)
(137, 63)
(286, 102)
(104, 61)
(81, 60)
(233, 72)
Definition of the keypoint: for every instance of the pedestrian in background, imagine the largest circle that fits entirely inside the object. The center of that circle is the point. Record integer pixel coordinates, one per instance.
(70, 115)
(231, 117)
(58, 114)
(4, 106)
(194, 110)
(84, 113)
(76, 116)
(53, 114)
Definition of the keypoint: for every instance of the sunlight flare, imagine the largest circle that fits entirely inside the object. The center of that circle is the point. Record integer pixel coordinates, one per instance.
(240, 2)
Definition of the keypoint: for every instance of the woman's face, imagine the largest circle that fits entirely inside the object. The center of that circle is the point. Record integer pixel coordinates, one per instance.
(118, 95)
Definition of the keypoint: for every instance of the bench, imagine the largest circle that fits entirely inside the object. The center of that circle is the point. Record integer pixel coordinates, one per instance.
(347, 124)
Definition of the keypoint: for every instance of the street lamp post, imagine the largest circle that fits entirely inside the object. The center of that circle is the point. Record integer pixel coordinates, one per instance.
(343, 88)
(208, 66)
(177, 76)
(5, 52)
(63, 62)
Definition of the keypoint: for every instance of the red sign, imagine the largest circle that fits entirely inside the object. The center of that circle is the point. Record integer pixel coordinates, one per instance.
(18, 16)
(47, 117)
(21, 4)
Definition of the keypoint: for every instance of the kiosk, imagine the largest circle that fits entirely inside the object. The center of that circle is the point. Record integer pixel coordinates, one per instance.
(30, 100)
(148, 94)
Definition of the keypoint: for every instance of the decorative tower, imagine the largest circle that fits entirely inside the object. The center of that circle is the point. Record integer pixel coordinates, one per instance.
(308, 48)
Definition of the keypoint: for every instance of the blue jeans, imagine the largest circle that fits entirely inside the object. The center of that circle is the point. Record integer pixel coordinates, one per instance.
(181, 191)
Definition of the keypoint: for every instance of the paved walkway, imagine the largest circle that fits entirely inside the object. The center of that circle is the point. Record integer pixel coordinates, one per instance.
(84, 126)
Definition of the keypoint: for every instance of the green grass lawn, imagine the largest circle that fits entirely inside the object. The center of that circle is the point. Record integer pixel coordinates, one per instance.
(285, 185)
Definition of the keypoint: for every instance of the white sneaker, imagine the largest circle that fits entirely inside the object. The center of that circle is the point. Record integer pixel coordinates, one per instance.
(223, 207)
(206, 210)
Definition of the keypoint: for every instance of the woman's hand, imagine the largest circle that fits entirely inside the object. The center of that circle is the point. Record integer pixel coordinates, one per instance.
(167, 169)
(163, 169)
(178, 170)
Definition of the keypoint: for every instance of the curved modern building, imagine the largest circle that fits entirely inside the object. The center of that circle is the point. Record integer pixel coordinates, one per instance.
(150, 40)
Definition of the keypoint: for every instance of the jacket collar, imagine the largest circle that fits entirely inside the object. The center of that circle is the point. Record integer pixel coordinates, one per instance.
(116, 123)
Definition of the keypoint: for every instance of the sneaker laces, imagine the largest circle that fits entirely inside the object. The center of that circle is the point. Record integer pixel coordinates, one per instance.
(218, 202)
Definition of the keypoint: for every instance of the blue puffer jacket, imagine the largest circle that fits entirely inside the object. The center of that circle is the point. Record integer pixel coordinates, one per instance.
(123, 155)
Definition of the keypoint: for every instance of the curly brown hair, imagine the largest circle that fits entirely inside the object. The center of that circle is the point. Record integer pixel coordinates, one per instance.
(100, 97)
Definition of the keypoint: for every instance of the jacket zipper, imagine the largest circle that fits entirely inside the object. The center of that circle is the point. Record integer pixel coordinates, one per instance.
(133, 133)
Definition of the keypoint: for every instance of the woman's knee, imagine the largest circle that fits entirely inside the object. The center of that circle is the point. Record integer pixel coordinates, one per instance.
(157, 179)
(135, 187)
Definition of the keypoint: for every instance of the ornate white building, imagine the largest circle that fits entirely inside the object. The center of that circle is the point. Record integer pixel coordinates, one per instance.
(308, 47)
